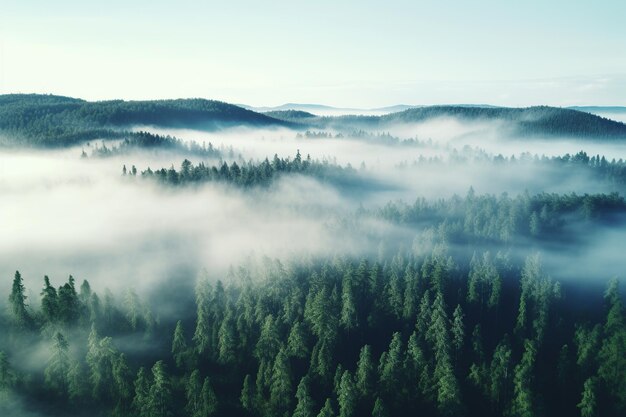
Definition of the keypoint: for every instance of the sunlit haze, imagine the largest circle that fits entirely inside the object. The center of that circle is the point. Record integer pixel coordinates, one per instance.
(348, 53)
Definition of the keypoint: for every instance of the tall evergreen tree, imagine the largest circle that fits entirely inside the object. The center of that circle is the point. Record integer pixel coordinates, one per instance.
(7, 374)
(327, 410)
(523, 401)
(304, 402)
(17, 301)
(141, 400)
(365, 373)
(347, 396)
(68, 305)
(160, 395)
(587, 404)
(379, 409)
(208, 399)
(247, 394)
(49, 301)
(281, 390)
(56, 373)
(179, 345)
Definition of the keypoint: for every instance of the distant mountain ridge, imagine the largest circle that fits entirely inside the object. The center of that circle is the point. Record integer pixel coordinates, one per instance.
(50, 120)
(600, 109)
(325, 110)
(47, 120)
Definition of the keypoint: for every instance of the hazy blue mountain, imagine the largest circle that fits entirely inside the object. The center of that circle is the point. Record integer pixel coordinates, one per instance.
(47, 120)
(600, 109)
(324, 110)
(296, 116)
(521, 122)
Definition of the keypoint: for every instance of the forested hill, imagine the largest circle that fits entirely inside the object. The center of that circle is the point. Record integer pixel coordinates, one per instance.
(48, 120)
(517, 122)
(541, 120)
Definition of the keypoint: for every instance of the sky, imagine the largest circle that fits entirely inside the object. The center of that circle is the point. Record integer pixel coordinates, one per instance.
(348, 53)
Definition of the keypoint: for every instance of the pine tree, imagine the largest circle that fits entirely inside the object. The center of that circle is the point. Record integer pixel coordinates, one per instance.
(390, 366)
(193, 394)
(365, 373)
(77, 382)
(500, 372)
(160, 394)
(347, 396)
(424, 315)
(379, 409)
(269, 341)
(17, 300)
(522, 404)
(327, 410)
(448, 396)
(227, 343)
(7, 374)
(281, 390)
(349, 318)
(85, 292)
(49, 301)
(416, 366)
(612, 355)
(141, 400)
(179, 345)
(297, 341)
(133, 309)
(247, 394)
(458, 330)
(395, 292)
(202, 334)
(305, 404)
(68, 305)
(322, 359)
(122, 383)
(56, 373)
(208, 399)
(587, 405)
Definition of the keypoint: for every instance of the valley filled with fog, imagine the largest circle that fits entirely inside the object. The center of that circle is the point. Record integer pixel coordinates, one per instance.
(252, 225)
(66, 214)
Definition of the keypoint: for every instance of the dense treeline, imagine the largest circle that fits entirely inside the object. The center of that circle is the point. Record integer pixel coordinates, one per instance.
(612, 172)
(522, 122)
(504, 219)
(39, 120)
(54, 121)
(407, 334)
(530, 121)
(149, 141)
(250, 173)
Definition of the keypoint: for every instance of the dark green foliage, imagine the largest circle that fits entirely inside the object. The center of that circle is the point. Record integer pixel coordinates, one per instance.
(304, 402)
(587, 404)
(39, 120)
(365, 373)
(56, 373)
(159, 401)
(17, 301)
(179, 345)
(347, 396)
(7, 374)
(327, 410)
(252, 174)
(68, 303)
(247, 394)
(276, 340)
(488, 218)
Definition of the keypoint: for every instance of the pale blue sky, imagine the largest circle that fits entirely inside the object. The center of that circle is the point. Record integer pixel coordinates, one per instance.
(344, 53)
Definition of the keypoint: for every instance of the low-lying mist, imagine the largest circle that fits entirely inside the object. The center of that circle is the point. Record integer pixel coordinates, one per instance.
(65, 214)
